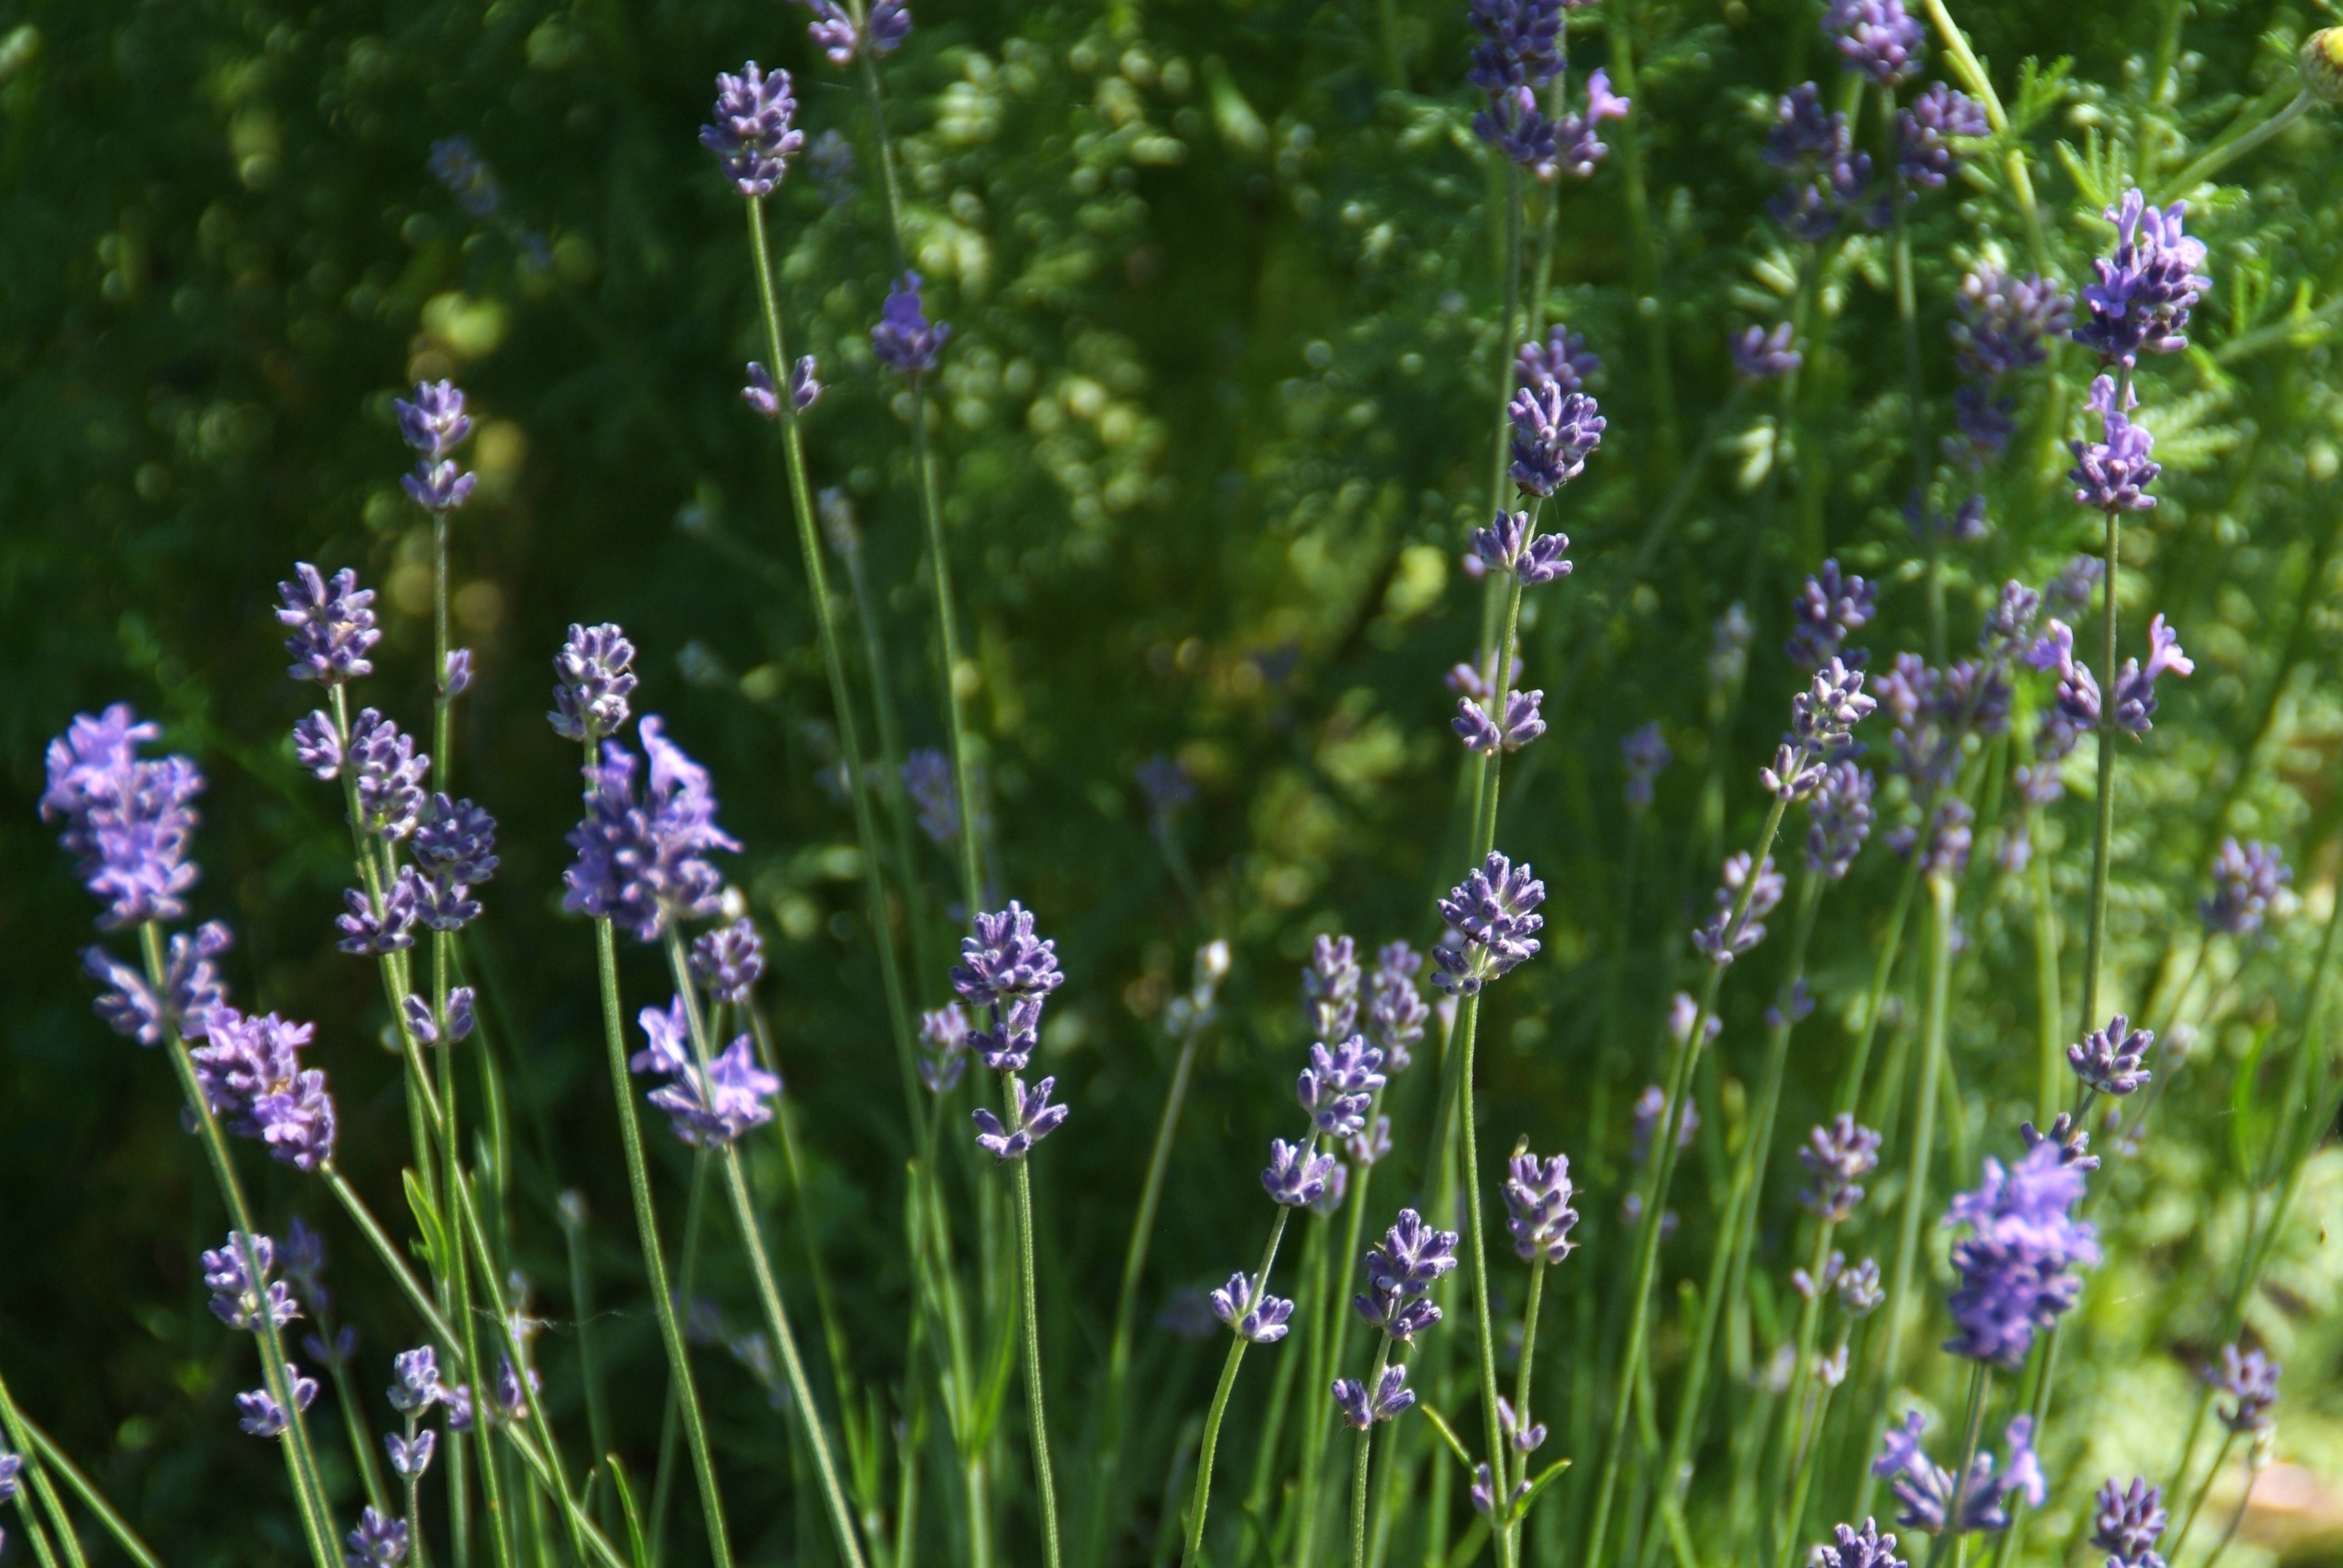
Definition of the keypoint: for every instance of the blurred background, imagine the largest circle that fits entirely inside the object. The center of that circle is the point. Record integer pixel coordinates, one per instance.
(1214, 418)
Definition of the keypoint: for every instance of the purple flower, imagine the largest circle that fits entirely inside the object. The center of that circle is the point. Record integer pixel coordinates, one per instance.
(832, 31)
(1520, 1438)
(1652, 1104)
(1682, 1011)
(1483, 735)
(1865, 1548)
(2136, 686)
(1511, 544)
(1329, 988)
(2078, 696)
(1521, 42)
(1822, 727)
(1371, 1143)
(2017, 1262)
(2008, 628)
(435, 423)
(2127, 1523)
(1563, 359)
(1296, 1177)
(641, 863)
(1724, 939)
(371, 930)
(2247, 880)
(2141, 301)
(715, 1108)
(1644, 752)
(410, 1459)
(890, 24)
(753, 136)
(1578, 142)
(928, 779)
(1399, 1272)
(1945, 846)
(128, 821)
(760, 395)
(2004, 320)
(1329, 1203)
(1395, 1010)
(1036, 1120)
(2250, 1380)
(1362, 1410)
(729, 960)
(1479, 683)
(1484, 1492)
(2112, 475)
(1830, 607)
(512, 1393)
(1555, 432)
(594, 674)
(1493, 909)
(1537, 1207)
(1762, 355)
(417, 1388)
(389, 773)
(333, 625)
(456, 674)
(439, 486)
(1335, 1088)
(1794, 1005)
(253, 1082)
(2109, 1059)
(1838, 1156)
(1877, 38)
(191, 983)
(904, 340)
(259, 1412)
(1839, 820)
(236, 1296)
(1823, 174)
(1252, 1314)
(2073, 1144)
(455, 845)
(471, 182)
(1859, 1290)
(2071, 591)
(378, 1542)
(1005, 961)
(1925, 155)
(943, 1040)
(1980, 1502)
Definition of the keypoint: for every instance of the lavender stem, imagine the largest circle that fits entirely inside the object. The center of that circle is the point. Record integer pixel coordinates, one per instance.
(55, 1458)
(1238, 1345)
(35, 1478)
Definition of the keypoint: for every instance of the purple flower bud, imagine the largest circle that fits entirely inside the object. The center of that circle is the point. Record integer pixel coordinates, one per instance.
(1980, 1503)
(2072, 1142)
(904, 340)
(2248, 879)
(259, 1412)
(1521, 42)
(456, 674)
(642, 860)
(1361, 1408)
(1395, 1010)
(928, 779)
(753, 136)
(1251, 1313)
(1036, 1120)
(1555, 432)
(2250, 1380)
(440, 486)
(2128, 1522)
(1877, 38)
(1335, 1088)
(595, 674)
(1838, 1156)
(2016, 1263)
(378, 1542)
(1644, 752)
(409, 1460)
(1651, 1105)
(417, 1388)
(1823, 174)
(251, 1078)
(1762, 355)
(191, 983)
(2136, 686)
(2110, 1060)
(371, 931)
(1494, 910)
(832, 31)
(1483, 735)
(435, 423)
(1865, 1548)
(333, 625)
(1839, 820)
(455, 164)
(1296, 1177)
(1537, 1206)
(2113, 475)
(944, 1039)
(2141, 301)
(729, 960)
(710, 1109)
(1831, 606)
(1723, 938)
(238, 1297)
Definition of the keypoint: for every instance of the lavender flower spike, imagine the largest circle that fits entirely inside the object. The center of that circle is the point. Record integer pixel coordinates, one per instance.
(1036, 1120)
(333, 625)
(729, 960)
(435, 423)
(1485, 737)
(904, 340)
(378, 1542)
(2141, 301)
(237, 1299)
(1252, 1314)
(832, 31)
(1723, 939)
(1762, 355)
(262, 1416)
(1865, 1548)
(1838, 1156)
(754, 135)
(128, 821)
(1296, 1177)
(1878, 38)
(715, 1108)
(2113, 475)
(2128, 1522)
(2017, 1264)
(1361, 1408)
(2135, 685)
(1509, 544)
(192, 988)
(641, 861)
(1335, 1088)
(593, 676)
(1537, 1204)
(1395, 1010)
(2109, 1059)
(1493, 909)
(2250, 1380)
(2248, 879)
(1830, 607)
(1555, 432)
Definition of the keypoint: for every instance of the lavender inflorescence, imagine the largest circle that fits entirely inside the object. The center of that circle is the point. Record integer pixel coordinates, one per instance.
(2247, 879)
(1493, 914)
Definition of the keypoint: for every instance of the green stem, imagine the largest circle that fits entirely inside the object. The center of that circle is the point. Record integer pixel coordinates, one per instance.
(1972, 1431)
(1045, 1480)
(890, 756)
(638, 1182)
(1875, 996)
(354, 1422)
(2049, 1038)
(2104, 808)
(1336, 1337)
(1963, 62)
(1522, 1382)
(2222, 154)
(2237, 1519)
(2203, 1490)
(35, 1479)
(882, 925)
(695, 1211)
(92, 1498)
(1485, 1311)
(1665, 1136)
(1908, 319)
(300, 1458)
(1238, 1345)
(761, 1266)
(572, 1213)
(1359, 1466)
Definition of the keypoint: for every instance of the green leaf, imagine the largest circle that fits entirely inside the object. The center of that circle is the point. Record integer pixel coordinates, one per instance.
(2040, 90)
(1441, 1427)
(635, 1544)
(430, 1245)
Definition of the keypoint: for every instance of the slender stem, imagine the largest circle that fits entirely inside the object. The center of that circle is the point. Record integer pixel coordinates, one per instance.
(695, 1213)
(581, 1308)
(1802, 1474)
(300, 1458)
(2104, 815)
(890, 755)
(1334, 1336)
(1629, 139)
(1908, 319)
(1662, 1172)
(947, 634)
(2222, 154)
(35, 1476)
(1875, 996)
(1972, 1431)
(2238, 1519)
(834, 661)
(92, 1498)
(354, 1422)
(1238, 1345)
(1359, 1466)
(1788, 1451)
(442, 704)
(1485, 1311)
(1045, 1480)
(2050, 1040)
(638, 1181)
(761, 1266)
(2203, 1490)
(1521, 1378)
(1964, 64)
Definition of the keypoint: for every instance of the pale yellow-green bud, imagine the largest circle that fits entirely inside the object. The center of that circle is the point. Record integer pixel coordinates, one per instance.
(2322, 64)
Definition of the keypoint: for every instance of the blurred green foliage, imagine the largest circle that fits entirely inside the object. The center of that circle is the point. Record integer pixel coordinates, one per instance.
(1214, 417)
